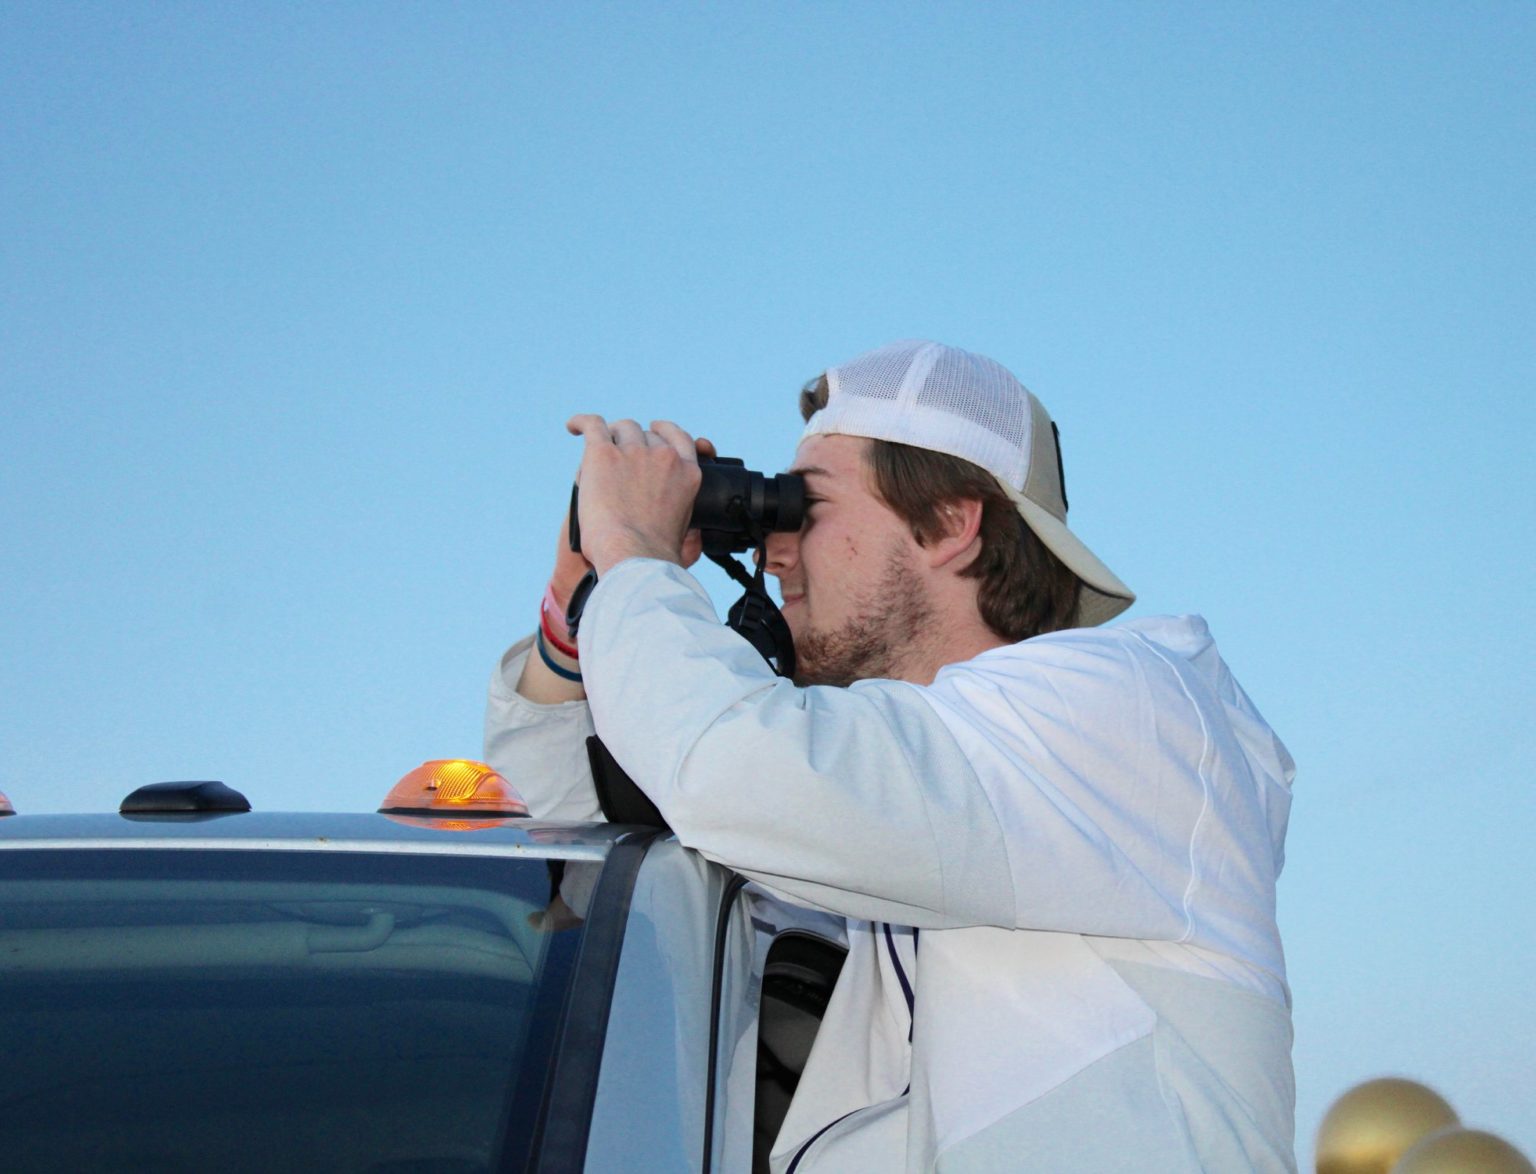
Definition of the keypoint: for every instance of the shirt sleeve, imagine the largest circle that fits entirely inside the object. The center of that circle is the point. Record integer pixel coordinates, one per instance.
(857, 801)
(540, 749)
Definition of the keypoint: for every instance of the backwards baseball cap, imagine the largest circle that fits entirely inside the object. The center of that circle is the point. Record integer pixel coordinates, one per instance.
(939, 397)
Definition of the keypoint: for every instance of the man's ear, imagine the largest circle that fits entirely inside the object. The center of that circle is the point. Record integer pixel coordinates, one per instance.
(959, 534)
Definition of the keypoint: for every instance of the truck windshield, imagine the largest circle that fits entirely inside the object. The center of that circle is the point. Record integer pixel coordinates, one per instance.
(275, 1010)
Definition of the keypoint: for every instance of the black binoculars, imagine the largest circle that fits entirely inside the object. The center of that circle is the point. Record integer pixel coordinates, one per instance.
(736, 508)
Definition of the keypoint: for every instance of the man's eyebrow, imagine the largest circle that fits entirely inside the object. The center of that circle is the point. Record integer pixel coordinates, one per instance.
(809, 471)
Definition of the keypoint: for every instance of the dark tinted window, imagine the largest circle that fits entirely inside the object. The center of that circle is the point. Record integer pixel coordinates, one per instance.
(259, 1010)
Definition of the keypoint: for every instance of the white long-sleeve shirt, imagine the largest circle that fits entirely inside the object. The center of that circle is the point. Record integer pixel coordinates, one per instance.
(1058, 860)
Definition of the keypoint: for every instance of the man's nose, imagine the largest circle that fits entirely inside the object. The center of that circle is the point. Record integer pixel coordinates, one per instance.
(781, 550)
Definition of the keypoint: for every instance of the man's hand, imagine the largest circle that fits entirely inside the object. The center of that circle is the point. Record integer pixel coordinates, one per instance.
(637, 490)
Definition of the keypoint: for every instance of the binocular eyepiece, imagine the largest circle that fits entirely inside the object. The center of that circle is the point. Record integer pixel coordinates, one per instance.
(736, 507)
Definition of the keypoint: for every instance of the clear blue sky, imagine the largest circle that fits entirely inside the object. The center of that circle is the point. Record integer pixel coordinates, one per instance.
(296, 300)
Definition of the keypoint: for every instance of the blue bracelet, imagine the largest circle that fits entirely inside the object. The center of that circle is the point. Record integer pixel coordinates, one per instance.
(562, 673)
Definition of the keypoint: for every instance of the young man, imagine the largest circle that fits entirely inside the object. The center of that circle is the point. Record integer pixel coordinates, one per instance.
(1056, 843)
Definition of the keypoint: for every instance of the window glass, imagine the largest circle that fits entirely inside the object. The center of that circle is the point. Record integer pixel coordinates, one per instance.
(256, 1010)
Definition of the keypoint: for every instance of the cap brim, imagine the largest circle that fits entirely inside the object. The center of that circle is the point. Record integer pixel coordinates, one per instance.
(1104, 595)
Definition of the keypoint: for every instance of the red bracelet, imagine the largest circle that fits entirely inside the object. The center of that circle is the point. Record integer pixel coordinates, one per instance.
(560, 641)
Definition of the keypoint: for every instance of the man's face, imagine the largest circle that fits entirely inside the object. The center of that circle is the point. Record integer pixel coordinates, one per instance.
(850, 579)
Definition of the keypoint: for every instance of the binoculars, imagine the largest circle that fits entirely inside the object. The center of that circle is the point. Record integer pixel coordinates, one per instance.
(736, 508)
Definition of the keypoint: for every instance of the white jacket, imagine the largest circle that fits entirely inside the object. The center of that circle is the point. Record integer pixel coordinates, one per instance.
(1059, 863)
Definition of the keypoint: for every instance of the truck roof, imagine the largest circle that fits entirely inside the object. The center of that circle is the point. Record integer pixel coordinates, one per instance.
(314, 831)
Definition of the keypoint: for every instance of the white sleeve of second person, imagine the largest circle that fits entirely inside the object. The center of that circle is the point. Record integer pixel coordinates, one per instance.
(857, 801)
(540, 749)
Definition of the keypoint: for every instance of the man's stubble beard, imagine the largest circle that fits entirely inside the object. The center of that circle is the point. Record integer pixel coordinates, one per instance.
(885, 626)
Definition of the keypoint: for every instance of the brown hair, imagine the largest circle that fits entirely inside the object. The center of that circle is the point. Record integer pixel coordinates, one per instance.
(1025, 590)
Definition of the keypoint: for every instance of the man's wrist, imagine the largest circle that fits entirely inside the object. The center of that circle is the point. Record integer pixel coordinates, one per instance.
(623, 548)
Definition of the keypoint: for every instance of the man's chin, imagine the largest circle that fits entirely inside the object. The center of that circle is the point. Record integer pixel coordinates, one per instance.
(806, 681)
(807, 671)
(812, 671)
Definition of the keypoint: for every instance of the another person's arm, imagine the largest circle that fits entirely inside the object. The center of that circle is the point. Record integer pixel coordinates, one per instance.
(540, 746)
(536, 718)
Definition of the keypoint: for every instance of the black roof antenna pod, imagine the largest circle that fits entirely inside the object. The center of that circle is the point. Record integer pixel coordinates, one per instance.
(190, 798)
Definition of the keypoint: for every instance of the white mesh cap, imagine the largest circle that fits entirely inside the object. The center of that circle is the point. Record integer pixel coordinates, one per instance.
(939, 397)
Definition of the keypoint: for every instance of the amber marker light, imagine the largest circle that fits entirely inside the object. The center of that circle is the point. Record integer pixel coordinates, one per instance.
(454, 789)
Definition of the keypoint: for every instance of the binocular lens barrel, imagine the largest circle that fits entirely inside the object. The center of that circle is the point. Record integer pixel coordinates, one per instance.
(736, 507)
(738, 500)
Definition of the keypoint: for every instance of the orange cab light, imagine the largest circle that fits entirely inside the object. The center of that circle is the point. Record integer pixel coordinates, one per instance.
(456, 787)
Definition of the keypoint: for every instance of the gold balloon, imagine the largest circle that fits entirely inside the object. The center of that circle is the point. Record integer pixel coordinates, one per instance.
(1462, 1151)
(1374, 1124)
